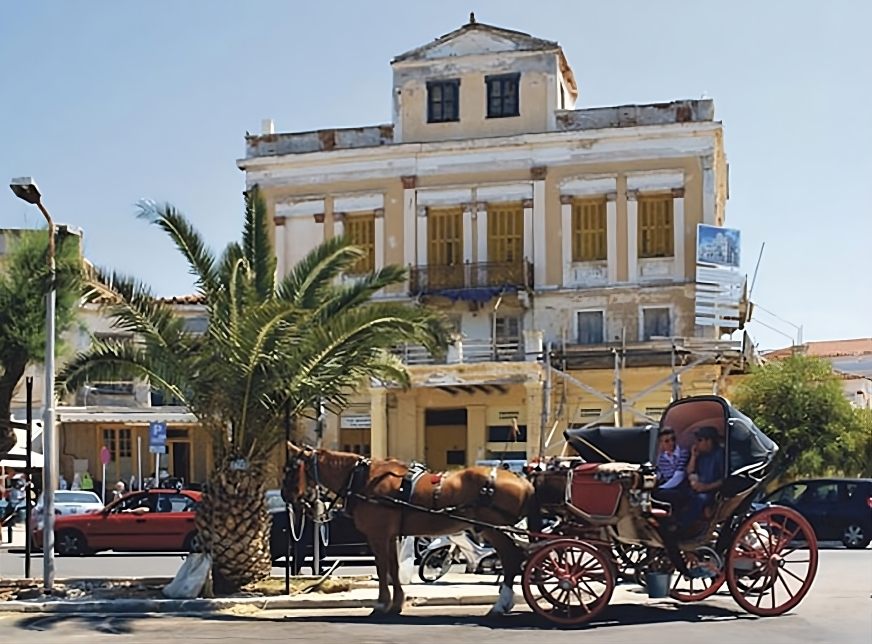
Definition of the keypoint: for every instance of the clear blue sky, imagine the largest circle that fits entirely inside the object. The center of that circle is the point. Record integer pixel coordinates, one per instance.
(108, 102)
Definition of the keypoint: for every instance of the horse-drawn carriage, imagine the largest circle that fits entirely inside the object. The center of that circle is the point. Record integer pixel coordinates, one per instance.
(601, 501)
(767, 556)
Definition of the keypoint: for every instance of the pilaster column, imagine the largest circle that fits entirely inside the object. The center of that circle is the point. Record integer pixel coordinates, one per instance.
(632, 236)
(540, 257)
(408, 448)
(378, 439)
(533, 397)
(566, 238)
(281, 260)
(420, 434)
(678, 270)
(468, 209)
(476, 433)
(612, 236)
(528, 230)
(421, 225)
(379, 232)
(480, 217)
(409, 219)
(708, 191)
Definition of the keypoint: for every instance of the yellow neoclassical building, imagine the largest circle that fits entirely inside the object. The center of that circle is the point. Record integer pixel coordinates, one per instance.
(560, 241)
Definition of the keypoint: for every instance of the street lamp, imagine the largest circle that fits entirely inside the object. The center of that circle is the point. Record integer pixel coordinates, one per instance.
(25, 188)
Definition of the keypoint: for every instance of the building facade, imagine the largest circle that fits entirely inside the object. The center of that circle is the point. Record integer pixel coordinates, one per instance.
(560, 242)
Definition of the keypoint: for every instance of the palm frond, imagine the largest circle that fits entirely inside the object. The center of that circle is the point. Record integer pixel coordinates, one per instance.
(187, 240)
(317, 271)
(258, 249)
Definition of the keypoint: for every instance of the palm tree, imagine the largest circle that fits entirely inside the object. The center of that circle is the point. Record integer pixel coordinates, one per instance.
(270, 347)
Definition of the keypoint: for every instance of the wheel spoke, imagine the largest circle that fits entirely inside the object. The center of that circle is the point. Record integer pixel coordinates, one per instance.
(786, 587)
(798, 578)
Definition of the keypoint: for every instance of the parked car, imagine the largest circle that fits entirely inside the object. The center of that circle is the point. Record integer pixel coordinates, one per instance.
(342, 538)
(838, 509)
(153, 520)
(68, 502)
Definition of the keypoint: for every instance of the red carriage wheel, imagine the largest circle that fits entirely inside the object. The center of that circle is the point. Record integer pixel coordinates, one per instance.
(568, 581)
(772, 561)
(706, 578)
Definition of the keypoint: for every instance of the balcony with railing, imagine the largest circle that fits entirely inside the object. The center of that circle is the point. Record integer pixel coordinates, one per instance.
(472, 280)
(467, 351)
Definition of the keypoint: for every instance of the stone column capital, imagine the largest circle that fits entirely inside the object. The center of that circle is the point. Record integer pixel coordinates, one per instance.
(409, 181)
(537, 173)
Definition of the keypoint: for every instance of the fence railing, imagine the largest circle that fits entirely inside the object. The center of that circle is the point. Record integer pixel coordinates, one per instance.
(464, 352)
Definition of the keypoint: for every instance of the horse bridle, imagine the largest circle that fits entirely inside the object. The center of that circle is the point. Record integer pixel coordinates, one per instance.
(306, 465)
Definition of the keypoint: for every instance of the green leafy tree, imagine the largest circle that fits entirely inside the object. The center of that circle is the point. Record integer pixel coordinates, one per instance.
(269, 346)
(799, 403)
(24, 282)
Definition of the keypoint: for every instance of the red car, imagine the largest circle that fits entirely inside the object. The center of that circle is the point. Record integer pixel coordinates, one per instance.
(153, 520)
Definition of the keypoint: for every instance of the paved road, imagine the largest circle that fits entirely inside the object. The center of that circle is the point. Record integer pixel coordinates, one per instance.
(836, 610)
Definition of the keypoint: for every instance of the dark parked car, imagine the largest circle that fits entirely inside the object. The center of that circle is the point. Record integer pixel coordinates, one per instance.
(838, 509)
(343, 539)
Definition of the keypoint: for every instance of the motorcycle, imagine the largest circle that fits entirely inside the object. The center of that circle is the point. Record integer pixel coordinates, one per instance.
(443, 552)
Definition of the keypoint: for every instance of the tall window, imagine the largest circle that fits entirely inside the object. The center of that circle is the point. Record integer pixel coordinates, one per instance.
(655, 226)
(445, 234)
(360, 230)
(502, 95)
(590, 327)
(656, 322)
(507, 329)
(443, 101)
(589, 230)
(505, 232)
(120, 444)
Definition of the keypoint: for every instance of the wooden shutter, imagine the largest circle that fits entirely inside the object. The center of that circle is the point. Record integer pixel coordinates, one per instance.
(445, 236)
(655, 231)
(589, 230)
(360, 230)
(505, 232)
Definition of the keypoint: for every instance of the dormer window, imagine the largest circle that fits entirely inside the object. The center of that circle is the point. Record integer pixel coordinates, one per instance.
(502, 95)
(443, 103)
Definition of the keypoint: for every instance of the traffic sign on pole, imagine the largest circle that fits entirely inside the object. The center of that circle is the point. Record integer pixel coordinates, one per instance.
(157, 437)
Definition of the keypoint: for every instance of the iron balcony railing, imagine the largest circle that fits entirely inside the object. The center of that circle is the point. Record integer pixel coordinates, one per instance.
(424, 280)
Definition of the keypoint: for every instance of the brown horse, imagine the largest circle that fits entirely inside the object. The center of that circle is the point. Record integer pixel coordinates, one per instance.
(492, 496)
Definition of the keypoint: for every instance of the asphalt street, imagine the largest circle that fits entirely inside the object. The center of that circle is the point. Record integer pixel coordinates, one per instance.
(836, 610)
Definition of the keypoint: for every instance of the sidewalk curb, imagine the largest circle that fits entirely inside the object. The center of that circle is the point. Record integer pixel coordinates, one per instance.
(211, 605)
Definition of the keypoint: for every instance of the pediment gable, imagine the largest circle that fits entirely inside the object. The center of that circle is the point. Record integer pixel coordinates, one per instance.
(475, 39)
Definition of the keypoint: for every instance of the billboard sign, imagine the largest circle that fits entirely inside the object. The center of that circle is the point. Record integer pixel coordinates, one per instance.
(717, 246)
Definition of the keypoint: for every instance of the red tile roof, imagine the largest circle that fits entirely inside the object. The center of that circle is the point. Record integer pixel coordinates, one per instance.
(827, 349)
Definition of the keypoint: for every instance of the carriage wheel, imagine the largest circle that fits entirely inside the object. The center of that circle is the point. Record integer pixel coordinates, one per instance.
(568, 581)
(772, 561)
(705, 578)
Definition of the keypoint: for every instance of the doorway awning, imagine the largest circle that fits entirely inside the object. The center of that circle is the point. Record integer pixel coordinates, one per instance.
(125, 415)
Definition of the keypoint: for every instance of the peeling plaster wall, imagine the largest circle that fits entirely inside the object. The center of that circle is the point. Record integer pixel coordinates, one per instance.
(537, 96)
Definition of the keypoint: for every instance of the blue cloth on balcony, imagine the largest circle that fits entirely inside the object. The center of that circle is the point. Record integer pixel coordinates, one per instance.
(478, 294)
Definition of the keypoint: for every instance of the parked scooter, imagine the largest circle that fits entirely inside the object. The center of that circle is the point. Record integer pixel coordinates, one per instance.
(443, 552)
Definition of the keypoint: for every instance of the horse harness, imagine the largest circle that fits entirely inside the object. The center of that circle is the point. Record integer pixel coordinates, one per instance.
(352, 493)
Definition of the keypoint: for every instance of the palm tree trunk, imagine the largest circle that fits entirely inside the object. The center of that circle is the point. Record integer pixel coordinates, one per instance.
(233, 524)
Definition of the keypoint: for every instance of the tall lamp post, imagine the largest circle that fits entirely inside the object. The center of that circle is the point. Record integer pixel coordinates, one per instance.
(25, 188)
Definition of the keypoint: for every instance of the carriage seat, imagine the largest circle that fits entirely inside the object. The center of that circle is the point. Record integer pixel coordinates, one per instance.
(624, 444)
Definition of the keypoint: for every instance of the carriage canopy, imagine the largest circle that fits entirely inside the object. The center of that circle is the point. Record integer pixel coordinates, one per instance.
(746, 445)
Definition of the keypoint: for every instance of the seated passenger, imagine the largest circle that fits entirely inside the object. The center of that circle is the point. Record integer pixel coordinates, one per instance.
(671, 465)
(671, 460)
(705, 470)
